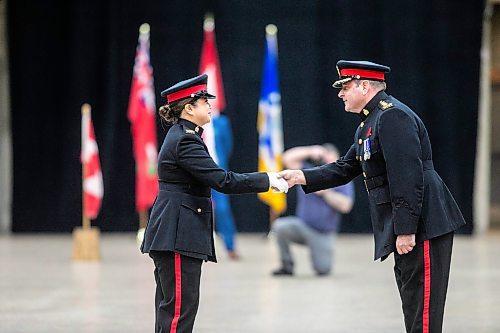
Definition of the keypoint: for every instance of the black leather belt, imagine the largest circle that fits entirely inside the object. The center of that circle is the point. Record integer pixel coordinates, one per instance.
(377, 181)
(374, 182)
(196, 190)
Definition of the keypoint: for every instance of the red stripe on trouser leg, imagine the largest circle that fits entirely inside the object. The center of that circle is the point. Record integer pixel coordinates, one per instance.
(427, 287)
(178, 293)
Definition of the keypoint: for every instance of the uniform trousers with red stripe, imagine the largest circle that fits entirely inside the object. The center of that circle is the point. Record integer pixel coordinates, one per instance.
(422, 278)
(177, 291)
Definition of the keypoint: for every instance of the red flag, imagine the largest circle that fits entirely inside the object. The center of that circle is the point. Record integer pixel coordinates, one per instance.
(92, 175)
(141, 113)
(209, 65)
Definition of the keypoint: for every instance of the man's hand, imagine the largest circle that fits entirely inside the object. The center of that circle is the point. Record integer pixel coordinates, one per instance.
(293, 177)
(405, 243)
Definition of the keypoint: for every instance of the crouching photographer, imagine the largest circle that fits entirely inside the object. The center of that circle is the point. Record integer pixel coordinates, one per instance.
(317, 217)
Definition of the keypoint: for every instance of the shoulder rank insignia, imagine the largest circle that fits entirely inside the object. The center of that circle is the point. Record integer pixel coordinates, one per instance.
(384, 105)
(190, 131)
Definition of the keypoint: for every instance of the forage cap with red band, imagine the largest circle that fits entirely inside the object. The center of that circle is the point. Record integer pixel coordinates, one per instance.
(194, 87)
(359, 70)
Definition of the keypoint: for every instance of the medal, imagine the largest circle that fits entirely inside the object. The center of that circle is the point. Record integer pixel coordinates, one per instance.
(367, 145)
(367, 149)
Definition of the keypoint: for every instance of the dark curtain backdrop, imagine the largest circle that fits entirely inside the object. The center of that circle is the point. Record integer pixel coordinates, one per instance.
(65, 53)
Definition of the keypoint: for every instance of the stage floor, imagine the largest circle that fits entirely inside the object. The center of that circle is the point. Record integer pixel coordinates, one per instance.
(43, 290)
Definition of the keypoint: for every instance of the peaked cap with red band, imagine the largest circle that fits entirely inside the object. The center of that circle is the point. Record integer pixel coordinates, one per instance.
(194, 87)
(359, 70)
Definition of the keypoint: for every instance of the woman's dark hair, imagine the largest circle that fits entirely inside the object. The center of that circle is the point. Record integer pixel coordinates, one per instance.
(171, 112)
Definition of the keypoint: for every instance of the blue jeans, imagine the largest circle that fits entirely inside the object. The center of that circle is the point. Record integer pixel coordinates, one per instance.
(224, 221)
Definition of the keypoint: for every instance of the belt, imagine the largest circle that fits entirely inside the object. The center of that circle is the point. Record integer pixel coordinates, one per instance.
(374, 182)
(196, 190)
(377, 181)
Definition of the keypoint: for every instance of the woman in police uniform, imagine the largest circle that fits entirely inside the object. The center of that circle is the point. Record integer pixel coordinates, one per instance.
(179, 235)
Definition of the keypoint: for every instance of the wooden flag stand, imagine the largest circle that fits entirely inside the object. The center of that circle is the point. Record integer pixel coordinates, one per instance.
(86, 242)
(86, 238)
(143, 221)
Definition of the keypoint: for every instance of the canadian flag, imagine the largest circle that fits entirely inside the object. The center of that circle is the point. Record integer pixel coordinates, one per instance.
(92, 175)
(141, 114)
(209, 65)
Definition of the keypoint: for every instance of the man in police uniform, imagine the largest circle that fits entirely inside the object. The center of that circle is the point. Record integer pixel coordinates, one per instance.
(413, 213)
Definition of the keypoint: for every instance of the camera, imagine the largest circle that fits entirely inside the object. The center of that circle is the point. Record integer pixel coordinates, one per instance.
(315, 162)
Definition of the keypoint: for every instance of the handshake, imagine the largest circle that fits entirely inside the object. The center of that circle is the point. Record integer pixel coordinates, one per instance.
(280, 182)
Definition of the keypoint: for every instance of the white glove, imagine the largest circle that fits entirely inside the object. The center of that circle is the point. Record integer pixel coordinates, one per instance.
(278, 185)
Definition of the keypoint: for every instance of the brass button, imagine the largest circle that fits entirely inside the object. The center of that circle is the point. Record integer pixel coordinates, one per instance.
(362, 124)
(360, 141)
(199, 210)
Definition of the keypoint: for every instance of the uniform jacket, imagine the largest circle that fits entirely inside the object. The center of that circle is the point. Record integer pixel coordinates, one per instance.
(181, 218)
(406, 194)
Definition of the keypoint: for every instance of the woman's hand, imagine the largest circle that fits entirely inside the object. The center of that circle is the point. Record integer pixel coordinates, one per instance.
(278, 185)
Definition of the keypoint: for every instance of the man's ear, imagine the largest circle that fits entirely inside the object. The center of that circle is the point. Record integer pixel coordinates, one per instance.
(366, 86)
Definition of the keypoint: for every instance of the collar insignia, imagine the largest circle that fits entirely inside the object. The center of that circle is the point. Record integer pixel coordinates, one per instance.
(366, 112)
(190, 131)
(384, 105)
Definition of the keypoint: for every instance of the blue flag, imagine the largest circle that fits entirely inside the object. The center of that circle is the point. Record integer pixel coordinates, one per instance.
(269, 121)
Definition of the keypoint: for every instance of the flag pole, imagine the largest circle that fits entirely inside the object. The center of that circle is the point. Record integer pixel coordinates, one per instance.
(85, 239)
(272, 31)
(85, 220)
(273, 215)
(144, 29)
(209, 22)
(141, 117)
(143, 219)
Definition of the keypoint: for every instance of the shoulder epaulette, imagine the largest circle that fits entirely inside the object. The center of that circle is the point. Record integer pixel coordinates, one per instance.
(190, 131)
(384, 105)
